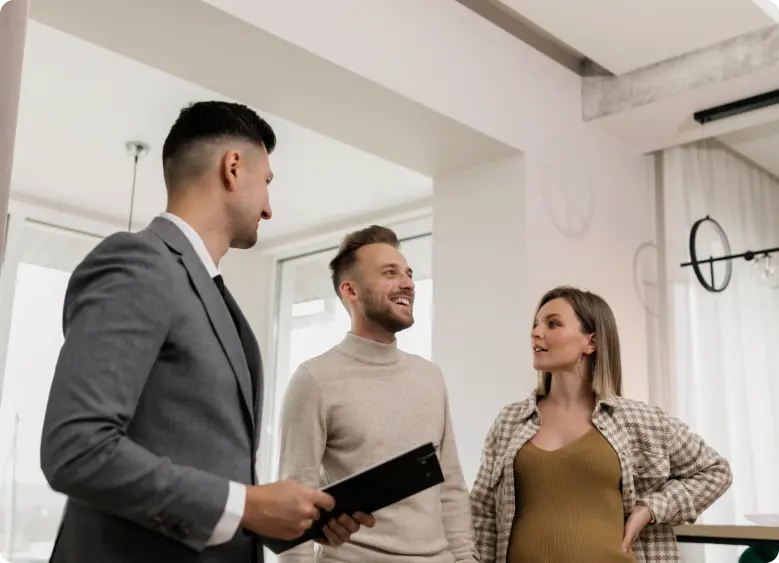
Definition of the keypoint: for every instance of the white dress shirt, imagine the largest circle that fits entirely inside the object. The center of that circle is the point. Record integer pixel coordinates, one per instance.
(236, 499)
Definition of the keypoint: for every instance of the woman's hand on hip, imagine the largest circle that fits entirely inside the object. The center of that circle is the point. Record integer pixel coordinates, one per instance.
(637, 521)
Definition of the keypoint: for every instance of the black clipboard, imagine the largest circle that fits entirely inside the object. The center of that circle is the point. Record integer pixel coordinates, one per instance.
(372, 489)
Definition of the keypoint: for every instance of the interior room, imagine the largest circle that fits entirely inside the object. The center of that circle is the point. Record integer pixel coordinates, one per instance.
(511, 148)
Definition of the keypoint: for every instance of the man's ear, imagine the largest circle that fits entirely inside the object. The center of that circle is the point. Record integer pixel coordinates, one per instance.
(230, 165)
(348, 291)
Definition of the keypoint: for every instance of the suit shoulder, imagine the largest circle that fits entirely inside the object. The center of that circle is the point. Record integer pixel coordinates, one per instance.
(124, 258)
(126, 243)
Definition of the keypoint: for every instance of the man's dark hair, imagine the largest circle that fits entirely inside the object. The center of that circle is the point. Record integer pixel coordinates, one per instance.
(346, 258)
(202, 122)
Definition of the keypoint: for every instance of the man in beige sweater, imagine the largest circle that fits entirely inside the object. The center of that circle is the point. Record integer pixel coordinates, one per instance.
(364, 401)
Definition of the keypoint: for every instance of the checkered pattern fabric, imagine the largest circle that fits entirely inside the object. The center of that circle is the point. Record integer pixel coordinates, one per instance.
(664, 465)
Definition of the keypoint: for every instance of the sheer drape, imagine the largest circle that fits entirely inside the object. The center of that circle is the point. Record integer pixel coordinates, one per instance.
(725, 346)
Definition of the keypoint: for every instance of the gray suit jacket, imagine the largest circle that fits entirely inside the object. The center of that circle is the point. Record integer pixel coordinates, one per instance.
(151, 411)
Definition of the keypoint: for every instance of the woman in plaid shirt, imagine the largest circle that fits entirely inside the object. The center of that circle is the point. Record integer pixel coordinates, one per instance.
(575, 472)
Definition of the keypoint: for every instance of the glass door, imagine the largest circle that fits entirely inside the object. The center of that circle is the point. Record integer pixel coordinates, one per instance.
(39, 260)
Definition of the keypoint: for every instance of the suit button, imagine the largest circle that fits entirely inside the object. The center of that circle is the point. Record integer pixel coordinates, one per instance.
(159, 526)
(181, 531)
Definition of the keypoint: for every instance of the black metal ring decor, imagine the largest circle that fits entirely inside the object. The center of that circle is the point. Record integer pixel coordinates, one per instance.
(712, 285)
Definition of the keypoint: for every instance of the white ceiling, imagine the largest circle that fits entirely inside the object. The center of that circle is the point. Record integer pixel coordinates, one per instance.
(279, 77)
(81, 103)
(625, 35)
(760, 144)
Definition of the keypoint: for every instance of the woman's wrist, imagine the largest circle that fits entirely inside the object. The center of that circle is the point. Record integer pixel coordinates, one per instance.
(650, 514)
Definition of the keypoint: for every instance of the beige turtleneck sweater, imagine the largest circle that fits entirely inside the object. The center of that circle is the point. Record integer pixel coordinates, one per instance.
(354, 406)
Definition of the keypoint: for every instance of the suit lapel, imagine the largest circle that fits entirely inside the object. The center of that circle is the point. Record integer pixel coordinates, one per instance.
(215, 307)
(251, 354)
(223, 324)
(254, 360)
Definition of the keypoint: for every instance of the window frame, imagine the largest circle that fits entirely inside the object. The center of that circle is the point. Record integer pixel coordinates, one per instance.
(20, 213)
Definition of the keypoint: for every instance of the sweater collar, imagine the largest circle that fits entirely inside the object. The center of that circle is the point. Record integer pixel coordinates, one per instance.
(370, 351)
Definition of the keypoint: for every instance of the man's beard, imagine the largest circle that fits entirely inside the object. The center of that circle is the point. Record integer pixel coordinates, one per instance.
(377, 310)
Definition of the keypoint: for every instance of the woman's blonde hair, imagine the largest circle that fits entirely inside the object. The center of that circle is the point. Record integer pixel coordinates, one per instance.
(596, 317)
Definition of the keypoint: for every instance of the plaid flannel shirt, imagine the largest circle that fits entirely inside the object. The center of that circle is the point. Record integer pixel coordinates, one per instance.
(664, 466)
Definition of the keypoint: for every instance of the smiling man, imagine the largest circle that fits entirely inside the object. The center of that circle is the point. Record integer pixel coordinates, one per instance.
(364, 401)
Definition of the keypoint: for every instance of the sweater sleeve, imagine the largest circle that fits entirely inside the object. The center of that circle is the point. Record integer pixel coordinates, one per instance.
(303, 440)
(455, 501)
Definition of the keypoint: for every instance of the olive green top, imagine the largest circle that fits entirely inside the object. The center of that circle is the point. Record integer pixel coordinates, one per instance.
(569, 504)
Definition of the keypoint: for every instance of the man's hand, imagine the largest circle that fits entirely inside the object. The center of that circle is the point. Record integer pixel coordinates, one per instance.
(283, 510)
(339, 530)
(637, 521)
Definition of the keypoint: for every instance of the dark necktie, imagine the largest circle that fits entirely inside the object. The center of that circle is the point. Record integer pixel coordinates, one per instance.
(247, 343)
(244, 333)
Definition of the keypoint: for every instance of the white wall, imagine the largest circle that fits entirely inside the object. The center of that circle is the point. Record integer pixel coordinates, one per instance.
(586, 205)
(587, 213)
(250, 275)
(503, 235)
(480, 317)
(13, 26)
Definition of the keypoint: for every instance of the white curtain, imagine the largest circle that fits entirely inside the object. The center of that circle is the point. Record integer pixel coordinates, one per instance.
(724, 347)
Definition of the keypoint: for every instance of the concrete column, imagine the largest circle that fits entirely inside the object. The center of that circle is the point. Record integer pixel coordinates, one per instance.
(481, 321)
(13, 27)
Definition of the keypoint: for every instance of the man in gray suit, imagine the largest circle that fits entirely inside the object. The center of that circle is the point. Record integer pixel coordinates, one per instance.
(154, 414)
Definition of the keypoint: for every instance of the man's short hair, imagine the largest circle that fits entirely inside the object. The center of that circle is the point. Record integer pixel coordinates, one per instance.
(346, 258)
(204, 122)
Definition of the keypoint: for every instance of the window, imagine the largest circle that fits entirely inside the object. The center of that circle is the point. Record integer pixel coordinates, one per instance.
(311, 318)
(723, 360)
(39, 262)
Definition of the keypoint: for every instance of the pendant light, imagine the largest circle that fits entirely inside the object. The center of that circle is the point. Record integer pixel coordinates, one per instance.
(136, 150)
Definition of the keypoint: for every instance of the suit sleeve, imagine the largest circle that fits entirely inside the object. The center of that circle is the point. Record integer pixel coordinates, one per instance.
(303, 441)
(116, 318)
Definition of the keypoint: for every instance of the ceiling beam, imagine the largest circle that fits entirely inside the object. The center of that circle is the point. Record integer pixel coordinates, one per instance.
(513, 23)
(654, 107)
(224, 54)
